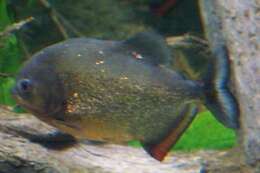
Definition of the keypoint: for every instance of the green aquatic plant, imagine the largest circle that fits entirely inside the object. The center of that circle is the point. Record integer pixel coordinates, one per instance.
(206, 133)
(9, 56)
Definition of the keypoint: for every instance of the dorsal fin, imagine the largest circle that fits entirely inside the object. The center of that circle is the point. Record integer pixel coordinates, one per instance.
(151, 46)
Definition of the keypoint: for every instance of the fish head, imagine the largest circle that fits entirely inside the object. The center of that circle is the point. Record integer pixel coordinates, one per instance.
(38, 89)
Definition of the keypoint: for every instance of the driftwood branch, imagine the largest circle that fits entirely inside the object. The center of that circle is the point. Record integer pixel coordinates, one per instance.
(234, 24)
(15, 26)
(61, 23)
(185, 40)
(52, 13)
(18, 154)
(6, 75)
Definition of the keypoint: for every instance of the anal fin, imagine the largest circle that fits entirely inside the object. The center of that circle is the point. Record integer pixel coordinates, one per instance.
(159, 150)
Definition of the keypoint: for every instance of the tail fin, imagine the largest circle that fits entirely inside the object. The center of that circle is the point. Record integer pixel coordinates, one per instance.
(219, 100)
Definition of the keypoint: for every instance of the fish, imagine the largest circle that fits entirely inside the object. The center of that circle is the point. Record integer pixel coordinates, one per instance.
(116, 91)
(164, 7)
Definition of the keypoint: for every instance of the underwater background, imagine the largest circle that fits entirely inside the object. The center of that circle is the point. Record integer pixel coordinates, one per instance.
(106, 19)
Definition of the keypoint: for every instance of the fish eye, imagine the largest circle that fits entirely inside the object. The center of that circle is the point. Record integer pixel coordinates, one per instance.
(25, 85)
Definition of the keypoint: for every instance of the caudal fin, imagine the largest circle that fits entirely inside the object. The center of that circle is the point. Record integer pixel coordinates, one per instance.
(219, 100)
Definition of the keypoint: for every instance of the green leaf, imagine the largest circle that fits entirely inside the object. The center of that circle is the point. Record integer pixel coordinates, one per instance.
(18, 109)
(9, 56)
(4, 19)
(5, 86)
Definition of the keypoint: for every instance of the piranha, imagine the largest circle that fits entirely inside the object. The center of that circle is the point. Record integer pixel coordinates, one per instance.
(118, 91)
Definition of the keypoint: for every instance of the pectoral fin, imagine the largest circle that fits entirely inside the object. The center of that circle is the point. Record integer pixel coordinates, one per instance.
(54, 140)
(159, 150)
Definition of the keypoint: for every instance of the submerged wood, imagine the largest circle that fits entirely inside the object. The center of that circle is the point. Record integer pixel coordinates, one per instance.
(18, 154)
(234, 25)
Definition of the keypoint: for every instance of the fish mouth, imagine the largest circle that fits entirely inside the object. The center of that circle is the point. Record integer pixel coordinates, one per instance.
(19, 100)
(29, 107)
(33, 109)
(15, 94)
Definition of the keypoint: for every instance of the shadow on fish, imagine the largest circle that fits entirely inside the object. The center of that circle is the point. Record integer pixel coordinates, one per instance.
(118, 91)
